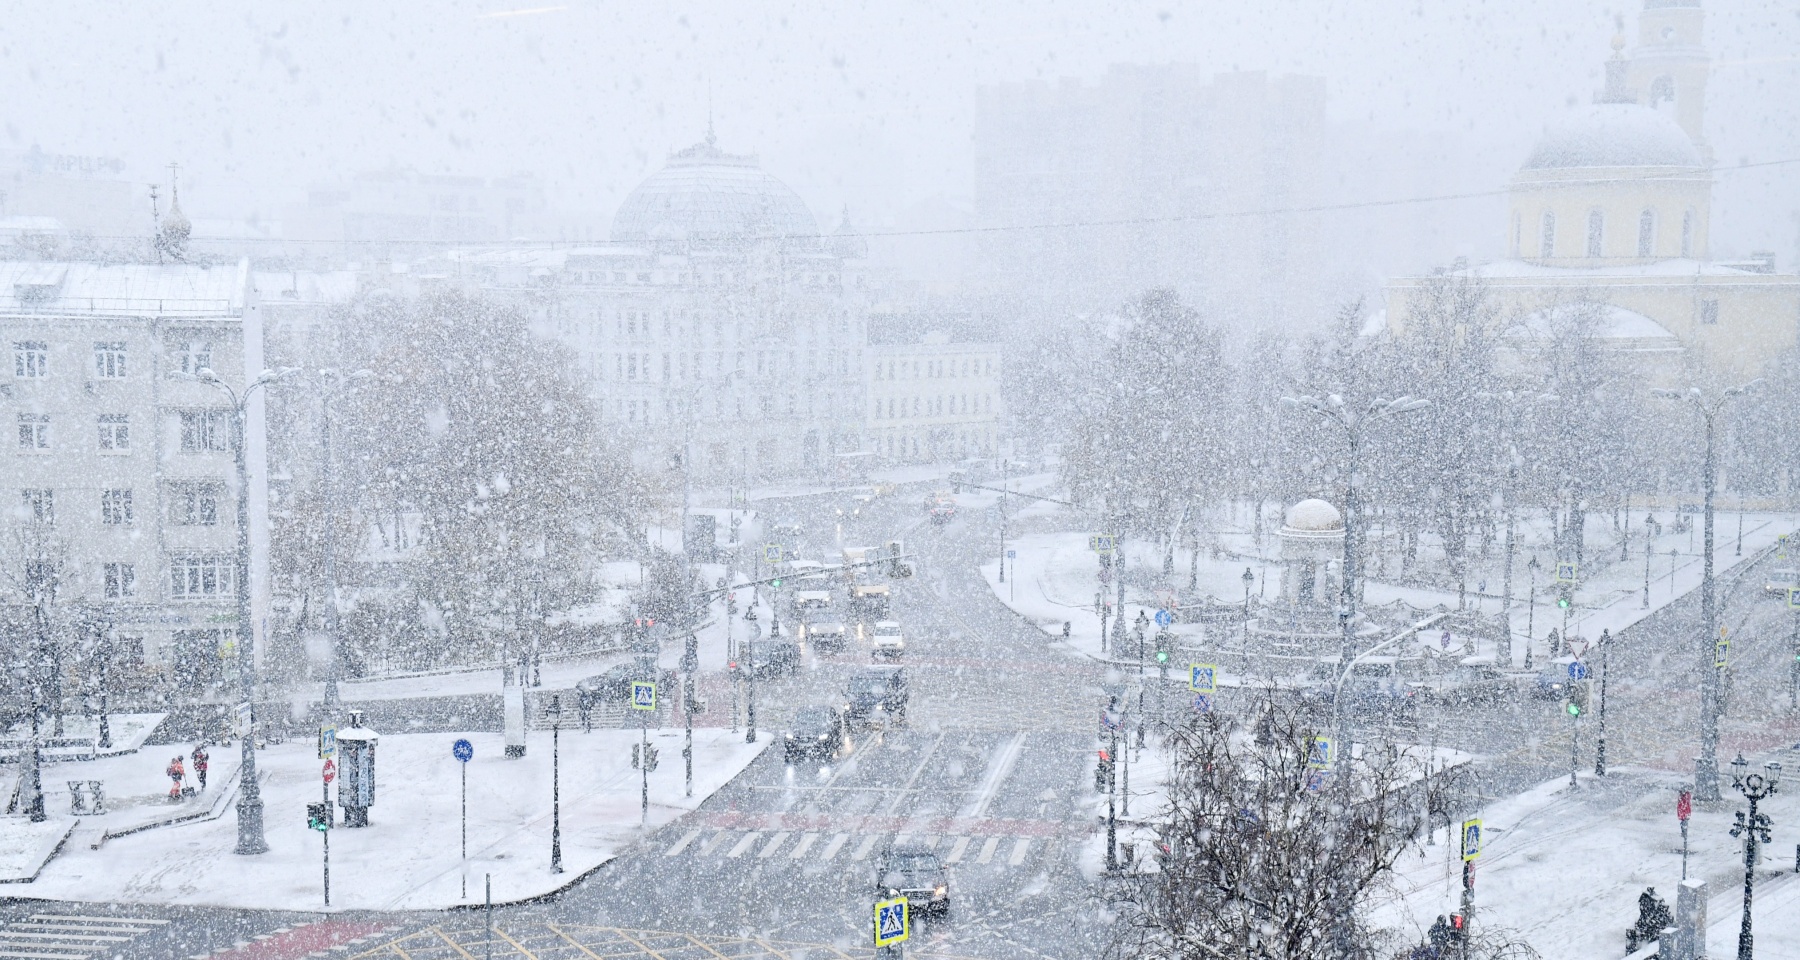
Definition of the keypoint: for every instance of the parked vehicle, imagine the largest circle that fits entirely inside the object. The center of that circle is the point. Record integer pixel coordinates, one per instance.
(773, 658)
(1377, 686)
(614, 685)
(816, 733)
(1469, 682)
(873, 690)
(916, 874)
(1780, 580)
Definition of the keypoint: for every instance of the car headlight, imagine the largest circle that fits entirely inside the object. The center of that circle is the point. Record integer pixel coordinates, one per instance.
(940, 891)
(790, 736)
(824, 736)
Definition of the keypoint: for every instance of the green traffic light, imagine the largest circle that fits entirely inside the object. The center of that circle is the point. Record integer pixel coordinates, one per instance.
(1563, 602)
(1574, 710)
(775, 583)
(1162, 656)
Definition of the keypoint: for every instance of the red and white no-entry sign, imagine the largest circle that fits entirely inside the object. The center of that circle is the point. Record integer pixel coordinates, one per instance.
(329, 771)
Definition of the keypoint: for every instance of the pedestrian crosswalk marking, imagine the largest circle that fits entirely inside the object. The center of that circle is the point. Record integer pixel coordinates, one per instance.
(836, 844)
(1018, 855)
(862, 849)
(682, 844)
(773, 845)
(804, 845)
(51, 936)
(744, 844)
(709, 846)
(987, 850)
(956, 851)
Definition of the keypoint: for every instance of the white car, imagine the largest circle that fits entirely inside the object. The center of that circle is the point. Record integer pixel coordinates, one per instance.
(885, 639)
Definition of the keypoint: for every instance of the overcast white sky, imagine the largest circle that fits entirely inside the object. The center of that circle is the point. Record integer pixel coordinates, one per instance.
(867, 102)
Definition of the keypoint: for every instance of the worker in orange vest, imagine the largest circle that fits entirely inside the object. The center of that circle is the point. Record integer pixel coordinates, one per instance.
(177, 773)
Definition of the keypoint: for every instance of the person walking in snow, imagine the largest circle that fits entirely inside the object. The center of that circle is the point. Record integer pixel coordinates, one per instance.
(176, 775)
(200, 759)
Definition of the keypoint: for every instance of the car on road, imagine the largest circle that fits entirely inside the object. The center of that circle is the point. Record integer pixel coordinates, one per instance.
(885, 639)
(614, 685)
(918, 875)
(772, 658)
(825, 634)
(876, 689)
(1780, 580)
(1377, 686)
(816, 733)
(1552, 679)
(1476, 681)
(805, 600)
(941, 508)
(870, 599)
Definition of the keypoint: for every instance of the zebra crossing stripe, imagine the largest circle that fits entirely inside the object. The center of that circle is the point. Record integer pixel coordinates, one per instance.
(863, 848)
(1018, 855)
(682, 844)
(709, 846)
(773, 845)
(744, 844)
(956, 851)
(836, 844)
(987, 850)
(805, 844)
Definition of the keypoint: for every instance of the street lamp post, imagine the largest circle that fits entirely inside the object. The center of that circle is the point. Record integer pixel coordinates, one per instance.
(249, 806)
(1649, 554)
(1754, 829)
(327, 483)
(555, 711)
(1531, 568)
(1706, 766)
(1249, 578)
(1600, 746)
(1333, 409)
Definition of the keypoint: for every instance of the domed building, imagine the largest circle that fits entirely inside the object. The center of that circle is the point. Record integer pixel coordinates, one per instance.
(1312, 538)
(718, 303)
(1609, 221)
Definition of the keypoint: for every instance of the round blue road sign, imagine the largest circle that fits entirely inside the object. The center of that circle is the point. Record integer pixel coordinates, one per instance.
(463, 750)
(1164, 618)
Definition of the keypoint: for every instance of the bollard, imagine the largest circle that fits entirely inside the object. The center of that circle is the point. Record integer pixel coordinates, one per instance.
(1690, 921)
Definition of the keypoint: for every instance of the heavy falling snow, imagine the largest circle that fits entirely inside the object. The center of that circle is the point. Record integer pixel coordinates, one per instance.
(1304, 480)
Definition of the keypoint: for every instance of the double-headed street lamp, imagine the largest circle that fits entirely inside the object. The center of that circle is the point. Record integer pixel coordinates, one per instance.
(1353, 422)
(333, 384)
(1706, 767)
(1754, 829)
(249, 805)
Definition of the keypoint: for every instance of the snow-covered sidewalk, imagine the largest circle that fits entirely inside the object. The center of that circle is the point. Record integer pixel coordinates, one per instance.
(409, 858)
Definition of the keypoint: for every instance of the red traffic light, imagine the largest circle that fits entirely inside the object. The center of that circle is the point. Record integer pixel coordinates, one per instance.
(1456, 922)
(1105, 757)
(1684, 806)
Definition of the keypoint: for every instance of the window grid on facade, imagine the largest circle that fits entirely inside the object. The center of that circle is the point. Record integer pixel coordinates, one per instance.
(1596, 234)
(1709, 311)
(205, 430)
(121, 581)
(31, 359)
(200, 577)
(115, 507)
(1647, 234)
(115, 432)
(194, 504)
(1547, 242)
(109, 360)
(34, 431)
(196, 355)
(39, 505)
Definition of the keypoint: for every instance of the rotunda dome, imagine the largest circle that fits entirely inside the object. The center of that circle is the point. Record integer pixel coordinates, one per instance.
(709, 195)
(1613, 135)
(1314, 516)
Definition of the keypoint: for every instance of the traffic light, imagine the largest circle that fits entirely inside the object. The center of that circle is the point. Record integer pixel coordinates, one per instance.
(1577, 704)
(1456, 927)
(650, 759)
(318, 816)
(1103, 772)
(776, 583)
(1562, 597)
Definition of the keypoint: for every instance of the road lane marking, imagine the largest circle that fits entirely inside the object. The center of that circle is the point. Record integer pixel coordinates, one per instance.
(956, 852)
(862, 849)
(923, 761)
(1018, 855)
(773, 845)
(744, 844)
(804, 845)
(998, 768)
(987, 850)
(836, 844)
(682, 844)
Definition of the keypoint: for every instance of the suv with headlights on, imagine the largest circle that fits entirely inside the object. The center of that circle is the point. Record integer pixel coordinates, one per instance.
(916, 874)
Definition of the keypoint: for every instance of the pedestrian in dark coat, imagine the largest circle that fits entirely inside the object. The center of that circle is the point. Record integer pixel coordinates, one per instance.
(200, 759)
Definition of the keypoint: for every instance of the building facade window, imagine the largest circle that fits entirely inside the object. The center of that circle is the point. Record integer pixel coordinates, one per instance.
(196, 355)
(1547, 240)
(39, 506)
(1709, 311)
(121, 581)
(109, 360)
(1596, 234)
(197, 578)
(115, 432)
(34, 432)
(194, 504)
(115, 508)
(31, 359)
(205, 430)
(1687, 235)
(1647, 234)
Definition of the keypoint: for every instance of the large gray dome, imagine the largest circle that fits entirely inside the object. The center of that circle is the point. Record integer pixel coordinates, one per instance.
(1614, 135)
(706, 194)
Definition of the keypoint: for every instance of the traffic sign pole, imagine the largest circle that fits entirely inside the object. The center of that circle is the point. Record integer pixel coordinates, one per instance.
(463, 751)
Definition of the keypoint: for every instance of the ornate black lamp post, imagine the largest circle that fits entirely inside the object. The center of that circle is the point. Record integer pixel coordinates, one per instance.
(1754, 828)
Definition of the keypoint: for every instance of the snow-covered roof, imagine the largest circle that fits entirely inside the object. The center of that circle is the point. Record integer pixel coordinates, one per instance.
(1613, 135)
(158, 289)
(1501, 269)
(305, 286)
(1313, 516)
(1612, 323)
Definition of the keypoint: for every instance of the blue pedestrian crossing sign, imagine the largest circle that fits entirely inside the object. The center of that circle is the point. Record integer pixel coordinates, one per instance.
(1566, 571)
(1164, 618)
(1794, 598)
(327, 741)
(643, 695)
(1318, 754)
(1100, 542)
(462, 750)
(771, 553)
(891, 922)
(1471, 839)
(1203, 678)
